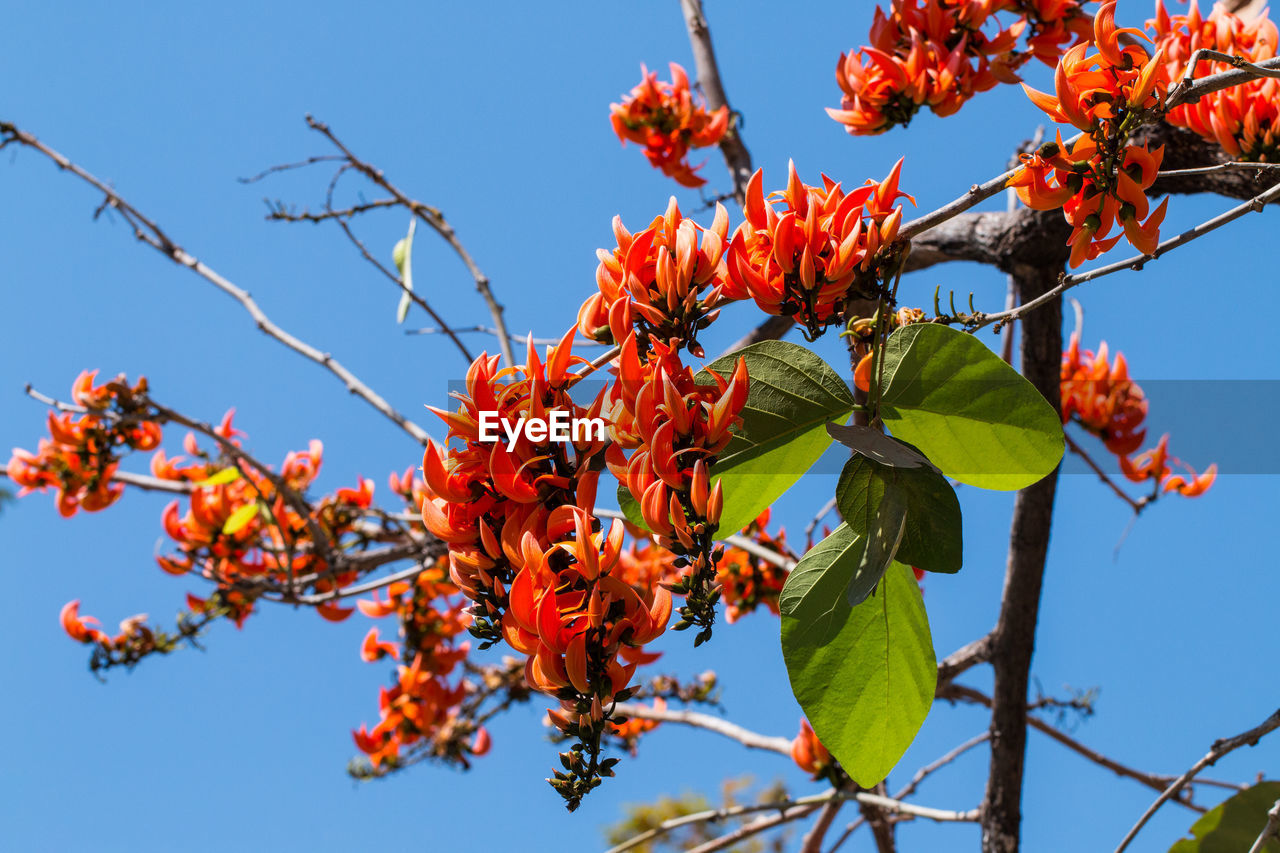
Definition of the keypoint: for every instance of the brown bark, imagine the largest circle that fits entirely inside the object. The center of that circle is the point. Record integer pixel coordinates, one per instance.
(1013, 641)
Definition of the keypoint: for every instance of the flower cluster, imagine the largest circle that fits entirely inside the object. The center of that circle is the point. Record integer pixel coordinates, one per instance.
(1101, 179)
(526, 550)
(82, 452)
(1243, 119)
(802, 252)
(748, 581)
(663, 282)
(423, 706)
(668, 121)
(938, 54)
(676, 429)
(245, 528)
(1102, 398)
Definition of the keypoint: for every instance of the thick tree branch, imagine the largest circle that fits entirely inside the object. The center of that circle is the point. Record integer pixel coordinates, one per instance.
(1013, 640)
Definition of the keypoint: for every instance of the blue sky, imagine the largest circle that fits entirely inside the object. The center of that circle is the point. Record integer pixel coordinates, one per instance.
(498, 115)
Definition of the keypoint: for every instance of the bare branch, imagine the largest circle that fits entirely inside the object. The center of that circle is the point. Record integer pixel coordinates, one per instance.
(756, 827)
(818, 832)
(1136, 505)
(150, 233)
(1155, 781)
(772, 329)
(1217, 751)
(719, 725)
(433, 218)
(288, 167)
(804, 804)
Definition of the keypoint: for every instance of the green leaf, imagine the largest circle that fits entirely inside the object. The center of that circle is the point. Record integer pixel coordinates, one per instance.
(882, 541)
(630, 507)
(1235, 824)
(238, 519)
(973, 415)
(221, 478)
(831, 571)
(933, 537)
(402, 254)
(792, 395)
(865, 676)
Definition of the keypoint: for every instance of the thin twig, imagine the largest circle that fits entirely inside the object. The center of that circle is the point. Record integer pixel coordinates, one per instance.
(1155, 781)
(150, 233)
(287, 167)
(920, 775)
(1253, 205)
(1136, 505)
(435, 219)
(719, 725)
(1217, 751)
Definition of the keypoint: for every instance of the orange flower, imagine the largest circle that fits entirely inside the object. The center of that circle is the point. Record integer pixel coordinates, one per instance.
(1101, 179)
(1102, 398)
(373, 649)
(938, 54)
(82, 453)
(660, 282)
(804, 257)
(667, 120)
(1155, 465)
(809, 754)
(1243, 119)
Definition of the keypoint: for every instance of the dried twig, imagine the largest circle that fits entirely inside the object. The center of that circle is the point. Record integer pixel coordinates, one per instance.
(150, 233)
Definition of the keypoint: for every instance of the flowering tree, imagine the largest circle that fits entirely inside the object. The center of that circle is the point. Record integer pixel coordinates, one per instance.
(500, 536)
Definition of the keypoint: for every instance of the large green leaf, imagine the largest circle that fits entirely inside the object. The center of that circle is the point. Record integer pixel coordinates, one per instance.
(865, 676)
(973, 415)
(792, 395)
(933, 537)
(1234, 825)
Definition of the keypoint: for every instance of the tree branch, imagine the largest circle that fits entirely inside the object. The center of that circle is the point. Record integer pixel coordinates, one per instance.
(436, 221)
(150, 233)
(1013, 640)
(719, 725)
(1218, 750)
(736, 156)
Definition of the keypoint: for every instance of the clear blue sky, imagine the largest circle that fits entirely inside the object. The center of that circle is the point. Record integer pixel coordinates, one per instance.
(497, 113)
